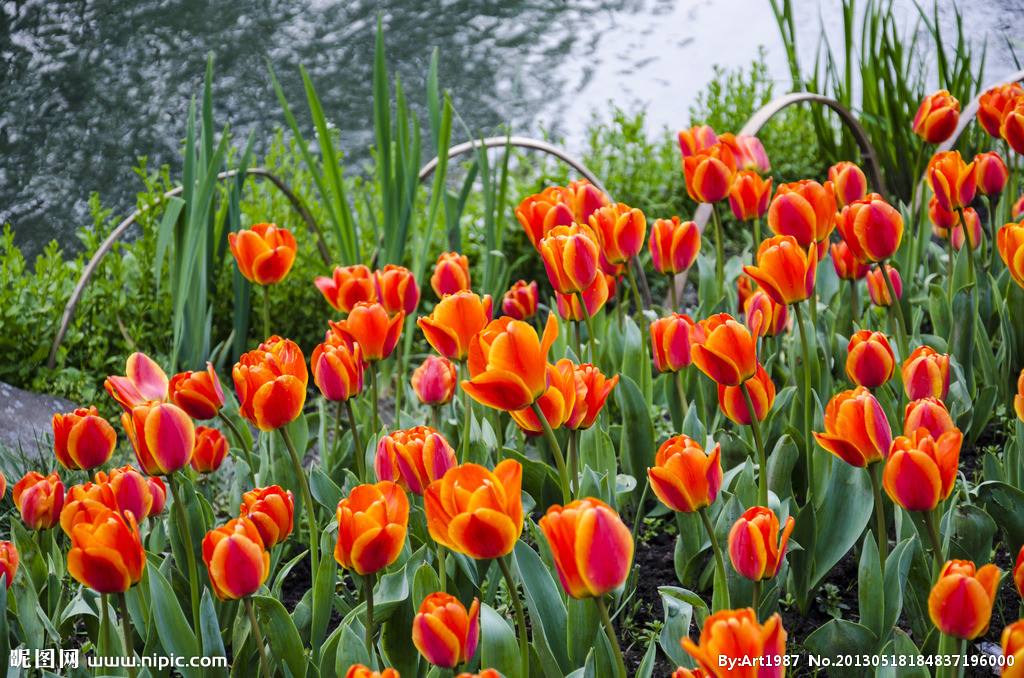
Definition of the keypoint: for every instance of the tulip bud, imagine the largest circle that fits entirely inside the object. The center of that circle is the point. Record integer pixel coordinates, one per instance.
(82, 439)
(520, 301)
(927, 413)
(373, 329)
(748, 152)
(236, 559)
(674, 245)
(926, 374)
(724, 350)
(709, 173)
(1012, 641)
(338, 369)
(414, 458)
(1018, 572)
(856, 428)
(272, 511)
(131, 491)
(994, 104)
(454, 321)
(144, 381)
(8, 562)
(974, 231)
(943, 220)
(763, 316)
(920, 470)
(592, 391)
(749, 195)
(785, 269)
(1012, 127)
(878, 291)
(848, 182)
(39, 499)
(960, 603)
(591, 546)
(570, 255)
(755, 547)
(594, 297)
(684, 477)
(361, 671)
(870, 361)
(347, 286)
(264, 253)
(696, 139)
(372, 523)
(620, 230)
(557, 402)
(106, 554)
(1010, 243)
(397, 289)
(159, 492)
(210, 449)
(871, 228)
(508, 363)
(672, 340)
(937, 117)
(953, 182)
(805, 210)
(991, 173)
(762, 394)
(543, 211)
(162, 437)
(444, 632)
(733, 636)
(271, 383)
(434, 380)
(198, 393)
(451, 274)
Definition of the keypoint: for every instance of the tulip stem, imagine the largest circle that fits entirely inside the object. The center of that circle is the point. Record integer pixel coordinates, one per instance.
(808, 447)
(949, 646)
(719, 250)
(374, 397)
(762, 455)
(307, 498)
(266, 311)
(467, 413)
(854, 305)
(633, 286)
(574, 466)
(897, 309)
(757, 239)
(609, 631)
(932, 521)
(721, 578)
(949, 266)
(442, 568)
(579, 342)
(591, 337)
(185, 532)
(237, 435)
(435, 417)
(368, 596)
(358, 452)
(881, 534)
(755, 598)
(556, 451)
(104, 635)
(684, 404)
(517, 605)
(672, 294)
(126, 631)
(257, 637)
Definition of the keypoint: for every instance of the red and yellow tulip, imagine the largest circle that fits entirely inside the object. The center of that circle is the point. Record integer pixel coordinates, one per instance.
(39, 499)
(937, 117)
(731, 639)
(508, 363)
(762, 394)
(236, 559)
(451, 274)
(960, 603)
(106, 553)
(674, 245)
(397, 289)
(785, 269)
(856, 428)
(82, 439)
(848, 182)
(755, 547)
(198, 393)
(870, 360)
(264, 253)
(920, 471)
(520, 301)
(434, 380)
(347, 286)
(272, 510)
(271, 383)
(620, 230)
(454, 321)
(805, 210)
(211, 448)
(724, 350)
(144, 381)
(926, 374)
(414, 458)
(444, 632)
(372, 524)
(684, 477)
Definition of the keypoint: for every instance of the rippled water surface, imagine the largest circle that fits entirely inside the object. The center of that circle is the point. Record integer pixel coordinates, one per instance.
(89, 86)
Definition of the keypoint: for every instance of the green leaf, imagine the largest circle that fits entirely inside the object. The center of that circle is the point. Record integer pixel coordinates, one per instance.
(544, 601)
(1006, 506)
(839, 637)
(323, 599)
(972, 533)
(173, 629)
(498, 647)
(279, 630)
(869, 587)
(391, 590)
(209, 627)
(679, 607)
(897, 567)
(637, 446)
(841, 518)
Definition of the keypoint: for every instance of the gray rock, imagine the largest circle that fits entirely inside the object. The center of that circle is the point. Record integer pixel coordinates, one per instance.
(25, 419)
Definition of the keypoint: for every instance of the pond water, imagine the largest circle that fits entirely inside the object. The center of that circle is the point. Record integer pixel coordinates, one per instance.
(90, 86)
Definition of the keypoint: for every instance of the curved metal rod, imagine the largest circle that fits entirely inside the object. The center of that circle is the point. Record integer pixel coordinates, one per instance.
(108, 244)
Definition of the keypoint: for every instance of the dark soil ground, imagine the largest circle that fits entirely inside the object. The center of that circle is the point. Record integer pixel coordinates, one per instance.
(654, 561)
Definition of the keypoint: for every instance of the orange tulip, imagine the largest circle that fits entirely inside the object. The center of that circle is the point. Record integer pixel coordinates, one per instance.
(373, 329)
(1010, 242)
(8, 562)
(236, 559)
(942, 219)
(485, 673)
(592, 391)
(952, 181)
(1018, 573)
(926, 373)
(1013, 650)
(709, 173)
(994, 104)
(591, 546)
(684, 477)
(159, 492)
(444, 632)
(272, 510)
(805, 210)
(1017, 211)
(1018, 399)
(520, 301)
(106, 553)
(397, 289)
(681, 672)
(434, 380)
(144, 381)
(39, 499)
(749, 195)
(960, 603)
(755, 547)
(878, 291)
(871, 228)
(991, 173)
(82, 439)
(595, 297)
(477, 512)
(696, 139)
(584, 198)
(974, 231)
(543, 211)
(920, 471)
(848, 182)
(763, 316)
(674, 245)
(762, 394)
(937, 117)
(211, 448)
(3, 485)
(508, 363)
(414, 458)
(198, 393)
(264, 252)
(870, 360)
(162, 437)
(856, 429)
(338, 369)
(347, 286)
(131, 492)
(454, 321)
(86, 503)
(724, 350)
(927, 413)
(785, 271)
(570, 255)
(451, 274)
(732, 639)
(271, 383)
(557, 402)
(361, 671)
(748, 151)
(620, 230)
(745, 286)
(372, 524)
(1012, 127)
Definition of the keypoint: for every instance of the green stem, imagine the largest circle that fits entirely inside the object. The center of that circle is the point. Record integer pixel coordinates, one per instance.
(591, 337)
(808, 447)
(757, 239)
(719, 250)
(307, 498)
(371, 651)
(633, 286)
(949, 266)
(358, 452)
(684, 404)
(556, 450)
(126, 632)
(104, 639)
(931, 519)
(190, 553)
(442, 568)
(881, 534)
(638, 519)
(762, 455)
(854, 305)
(257, 637)
(435, 417)
(266, 311)
(672, 294)
(755, 598)
(339, 408)
(517, 605)
(574, 465)
(375, 397)
(948, 646)
(467, 413)
(897, 310)
(719, 559)
(399, 371)
(579, 342)
(609, 631)
(246, 451)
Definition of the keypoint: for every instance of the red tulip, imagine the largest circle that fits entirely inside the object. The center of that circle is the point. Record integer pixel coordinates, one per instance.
(434, 380)
(451, 274)
(709, 173)
(755, 547)
(805, 210)
(144, 381)
(211, 448)
(82, 439)
(272, 511)
(762, 394)
(444, 632)
(236, 559)
(620, 230)
(39, 499)
(672, 340)
(870, 360)
(991, 173)
(937, 117)
(960, 603)
(520, 301)
(927, 413)
(338, 369)
(674, 245)
(347, 286)
(879, 291)
(994, 104)
(271, 383)
(264, 253)
(397, 289)
(696, 139)
(198, 393)
(162, 436)
(749, 195)
(848, 181)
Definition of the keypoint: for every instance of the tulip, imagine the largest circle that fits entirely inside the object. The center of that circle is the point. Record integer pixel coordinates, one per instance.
(211, 447)
(86, 503)
(748, 152)
(434, 381)
(1013, 650)
(960, 603)
(974, 231)
(871, 228)
(1017, 211)
(397, 289)
(870, 361)
(1012, 127)
(162, 437)
(763, 316)
(848, 182)
(236, 559)
(106, 554)
(681, 672)
(762, 394)
(856, 429)
(595, 297)
(805, 210)
(570, 255)
(159, 492)
(271, 383)
(709, 173)
(8, 562)
(1010, 242)
(414, 458)
(878, 291)
(584, 198)
(696, 139)
(937, 117)
(927, 413)
(737, 636)
(373, 329)
(361, 671)
(144, 381)
(520, 301)
(755, 547)
(920, 471)
(198, 393)
(444, 632)
(991, 173)
(672, 341)
(591, 398)
(591, 546)
(372, 524)
(724, 350)
(347, 286)
(749, 196)
(684, 477)
(1018, 572)
(338, 370)
(785, 269)
(476, 512)
(542, 212)
(485, 673)
(926, 373)
(508, 363)
(451, 274)
(272, 510)
(132, 492)
(943, 220)
(1018, 400)
(745, 286)
(39, 499)
(82, 439)
(454, 321)
(994, 104)
(952, 181)
(556, 403)
(3, 485)
(674, 245)
(620, 230)
(264, 252)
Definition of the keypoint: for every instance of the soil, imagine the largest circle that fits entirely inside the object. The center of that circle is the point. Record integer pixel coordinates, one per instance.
(654, 562)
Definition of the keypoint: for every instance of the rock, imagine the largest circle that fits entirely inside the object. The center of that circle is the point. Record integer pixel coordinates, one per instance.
(25, 420)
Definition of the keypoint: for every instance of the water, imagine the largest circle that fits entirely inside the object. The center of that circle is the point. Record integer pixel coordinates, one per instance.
(90, 86)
